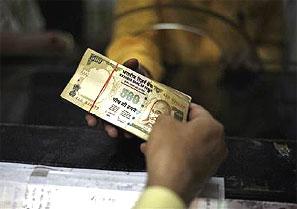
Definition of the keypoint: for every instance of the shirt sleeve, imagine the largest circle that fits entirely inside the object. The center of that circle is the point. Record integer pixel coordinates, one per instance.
(159, 198)
(133, 38)
(141, 48)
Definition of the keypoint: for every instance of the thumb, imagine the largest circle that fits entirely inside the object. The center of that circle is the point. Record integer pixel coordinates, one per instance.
(133, 64)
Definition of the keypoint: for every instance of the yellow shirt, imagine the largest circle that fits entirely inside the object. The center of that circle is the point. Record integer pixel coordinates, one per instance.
(157, 197)
(133, 36)
(231, 35)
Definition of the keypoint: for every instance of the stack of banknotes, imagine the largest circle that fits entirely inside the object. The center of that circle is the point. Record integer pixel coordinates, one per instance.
(121, 96)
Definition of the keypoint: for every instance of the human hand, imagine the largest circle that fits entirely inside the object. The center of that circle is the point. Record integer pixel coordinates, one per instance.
(110, 129)
(181, 156)
(37, 44)
(58, 42)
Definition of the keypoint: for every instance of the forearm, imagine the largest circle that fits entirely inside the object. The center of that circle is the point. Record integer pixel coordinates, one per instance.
(132, 37)
(41, 43)
(12, 43)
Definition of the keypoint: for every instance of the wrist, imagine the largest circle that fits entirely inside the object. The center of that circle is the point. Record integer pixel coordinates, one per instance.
(180, 186)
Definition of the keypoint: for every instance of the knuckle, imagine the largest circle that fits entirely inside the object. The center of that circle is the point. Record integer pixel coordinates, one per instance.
(219, 128)
(197, 106)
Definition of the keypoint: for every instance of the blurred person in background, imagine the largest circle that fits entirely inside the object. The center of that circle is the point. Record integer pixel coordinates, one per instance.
(261, 21)
(236, 36)
(23, 31)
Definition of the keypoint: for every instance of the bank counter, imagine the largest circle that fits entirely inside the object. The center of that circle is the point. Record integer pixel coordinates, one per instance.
(258, 173)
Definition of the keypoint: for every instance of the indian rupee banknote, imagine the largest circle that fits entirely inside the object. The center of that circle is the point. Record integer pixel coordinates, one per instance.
(122, 96)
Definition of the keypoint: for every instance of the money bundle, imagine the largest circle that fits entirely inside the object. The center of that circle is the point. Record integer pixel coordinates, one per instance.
(121, 96)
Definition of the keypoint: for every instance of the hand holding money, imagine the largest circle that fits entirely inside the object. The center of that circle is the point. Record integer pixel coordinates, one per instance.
(197, 147)
(121, 96)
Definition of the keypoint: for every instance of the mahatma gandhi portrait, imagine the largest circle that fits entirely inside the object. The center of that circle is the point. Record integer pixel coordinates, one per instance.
(159, 107)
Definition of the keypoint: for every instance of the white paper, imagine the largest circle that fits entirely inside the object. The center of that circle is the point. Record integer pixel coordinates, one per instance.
(43, 187)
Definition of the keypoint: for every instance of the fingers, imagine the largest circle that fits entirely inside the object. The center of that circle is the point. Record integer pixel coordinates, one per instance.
(133, 64)
(115, 132)
(111, 131)
(91, 120)
(197, 111)
(128, 135)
